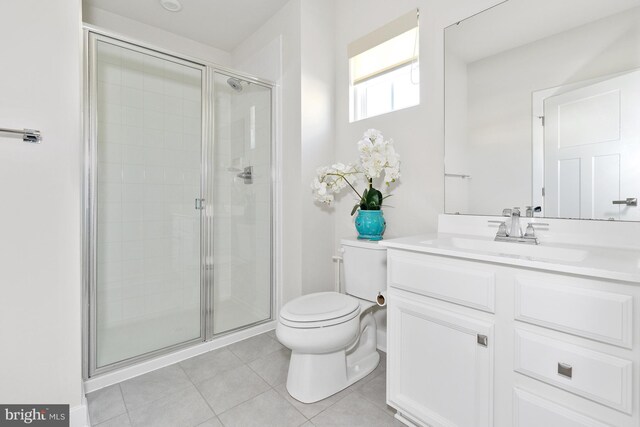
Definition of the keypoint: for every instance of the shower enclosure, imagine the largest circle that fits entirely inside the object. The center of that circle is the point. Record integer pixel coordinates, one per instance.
(178, 231)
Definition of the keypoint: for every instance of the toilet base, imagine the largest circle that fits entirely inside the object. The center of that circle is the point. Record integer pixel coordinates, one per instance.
(313, 377)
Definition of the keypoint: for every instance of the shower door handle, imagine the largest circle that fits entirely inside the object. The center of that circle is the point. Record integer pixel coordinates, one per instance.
(199, 205)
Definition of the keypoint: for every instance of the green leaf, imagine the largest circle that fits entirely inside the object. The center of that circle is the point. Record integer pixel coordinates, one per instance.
(355, 208)
(374, 199)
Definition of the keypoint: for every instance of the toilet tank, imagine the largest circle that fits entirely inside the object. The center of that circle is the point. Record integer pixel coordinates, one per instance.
(365, 268)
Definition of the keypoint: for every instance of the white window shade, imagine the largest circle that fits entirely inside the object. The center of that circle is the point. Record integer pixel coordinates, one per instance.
(384, 69)
(386, 49)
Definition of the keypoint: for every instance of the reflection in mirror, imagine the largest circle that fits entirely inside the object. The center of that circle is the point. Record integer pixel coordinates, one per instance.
(542, 109)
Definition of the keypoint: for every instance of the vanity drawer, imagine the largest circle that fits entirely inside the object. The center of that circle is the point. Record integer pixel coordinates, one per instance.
(533, 411)
(559, 303)
(460, 282)
(597, 376)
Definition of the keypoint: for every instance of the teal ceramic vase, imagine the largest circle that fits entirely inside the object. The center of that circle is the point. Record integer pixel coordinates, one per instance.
(370, 225)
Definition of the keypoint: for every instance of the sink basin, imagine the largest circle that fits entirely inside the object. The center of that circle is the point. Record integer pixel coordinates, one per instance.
(510, 249)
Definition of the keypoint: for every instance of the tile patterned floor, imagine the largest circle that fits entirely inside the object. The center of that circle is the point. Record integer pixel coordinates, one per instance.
(240, 385)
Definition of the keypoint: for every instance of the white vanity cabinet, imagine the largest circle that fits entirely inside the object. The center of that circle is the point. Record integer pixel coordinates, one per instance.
(442, 363)
(473, 343)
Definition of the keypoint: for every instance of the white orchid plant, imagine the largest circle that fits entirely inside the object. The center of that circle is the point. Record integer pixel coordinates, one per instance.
(378, 158)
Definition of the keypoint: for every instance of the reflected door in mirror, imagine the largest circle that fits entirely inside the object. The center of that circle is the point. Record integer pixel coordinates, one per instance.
(591, 149)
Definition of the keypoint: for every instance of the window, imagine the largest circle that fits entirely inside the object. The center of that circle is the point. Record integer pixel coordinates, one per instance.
(384, 69)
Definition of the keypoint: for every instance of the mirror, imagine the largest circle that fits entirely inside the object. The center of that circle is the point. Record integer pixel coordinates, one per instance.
(542, 100)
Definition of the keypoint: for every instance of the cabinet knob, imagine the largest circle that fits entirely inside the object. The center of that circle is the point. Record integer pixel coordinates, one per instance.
(483, 340)
(565, 370)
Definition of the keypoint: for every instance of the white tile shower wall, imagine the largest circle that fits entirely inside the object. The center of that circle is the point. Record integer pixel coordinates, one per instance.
(149, 162)
(223, 172)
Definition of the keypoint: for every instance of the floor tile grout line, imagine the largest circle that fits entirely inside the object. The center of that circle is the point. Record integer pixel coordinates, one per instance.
(244, 401)
(266, 391)
(333, 404)
(207, 402)
(199, 392)
(118, 415)
(126, 408)
(266, 334)
(290, 404)
(285, 398)
(344, 397)
(258, 373)
(201, 380)
(191, 383)
(235, 406)
(374, 403)
(160, 398)
(185, 373)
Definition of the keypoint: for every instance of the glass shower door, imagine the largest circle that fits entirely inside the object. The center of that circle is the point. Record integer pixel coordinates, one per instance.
(241, 203)
(148, 158)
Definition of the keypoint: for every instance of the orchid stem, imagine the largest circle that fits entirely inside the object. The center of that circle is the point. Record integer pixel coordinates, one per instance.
(347, 181)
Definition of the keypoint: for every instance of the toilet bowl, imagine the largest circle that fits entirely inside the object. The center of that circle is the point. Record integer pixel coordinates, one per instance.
(332, 336)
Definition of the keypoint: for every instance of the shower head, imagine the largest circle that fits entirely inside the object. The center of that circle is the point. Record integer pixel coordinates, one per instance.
(235, 83)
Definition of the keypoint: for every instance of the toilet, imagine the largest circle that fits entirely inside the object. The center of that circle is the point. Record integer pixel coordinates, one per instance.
(332, 336)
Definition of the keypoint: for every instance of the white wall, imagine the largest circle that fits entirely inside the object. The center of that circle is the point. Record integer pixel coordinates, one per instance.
(40, 310)
(257, 55)
(304, 32)
(499, 101)
(318, 130)
(417, 131)
(153, 35)
(312, 85)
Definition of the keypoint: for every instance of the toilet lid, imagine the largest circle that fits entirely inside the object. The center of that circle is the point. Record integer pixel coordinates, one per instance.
(318, 307)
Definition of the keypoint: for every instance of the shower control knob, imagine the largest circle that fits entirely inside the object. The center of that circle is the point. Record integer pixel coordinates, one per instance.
(247, 175)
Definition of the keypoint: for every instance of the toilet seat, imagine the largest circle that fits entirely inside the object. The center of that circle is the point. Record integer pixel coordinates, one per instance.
(319, 310)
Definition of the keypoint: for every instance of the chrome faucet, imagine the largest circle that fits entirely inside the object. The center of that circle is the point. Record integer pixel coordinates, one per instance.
(514, 229)
(513, 233)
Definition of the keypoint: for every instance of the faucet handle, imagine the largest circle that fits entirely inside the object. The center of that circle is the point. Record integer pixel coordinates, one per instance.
(529, 212)
(502, 228)
(531, 231)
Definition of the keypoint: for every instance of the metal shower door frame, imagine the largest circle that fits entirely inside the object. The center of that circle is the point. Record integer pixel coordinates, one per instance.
(92, 36)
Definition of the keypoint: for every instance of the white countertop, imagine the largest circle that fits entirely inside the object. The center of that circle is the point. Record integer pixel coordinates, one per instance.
(595, 261)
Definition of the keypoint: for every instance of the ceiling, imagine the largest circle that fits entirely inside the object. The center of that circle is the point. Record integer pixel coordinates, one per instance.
(223, 24)
(525, 21)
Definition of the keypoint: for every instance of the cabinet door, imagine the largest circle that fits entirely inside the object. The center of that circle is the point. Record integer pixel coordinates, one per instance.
(440, 366)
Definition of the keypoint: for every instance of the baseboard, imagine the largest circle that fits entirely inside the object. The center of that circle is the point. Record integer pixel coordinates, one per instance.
(141, 368)
(79, 415)
(404, 420)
